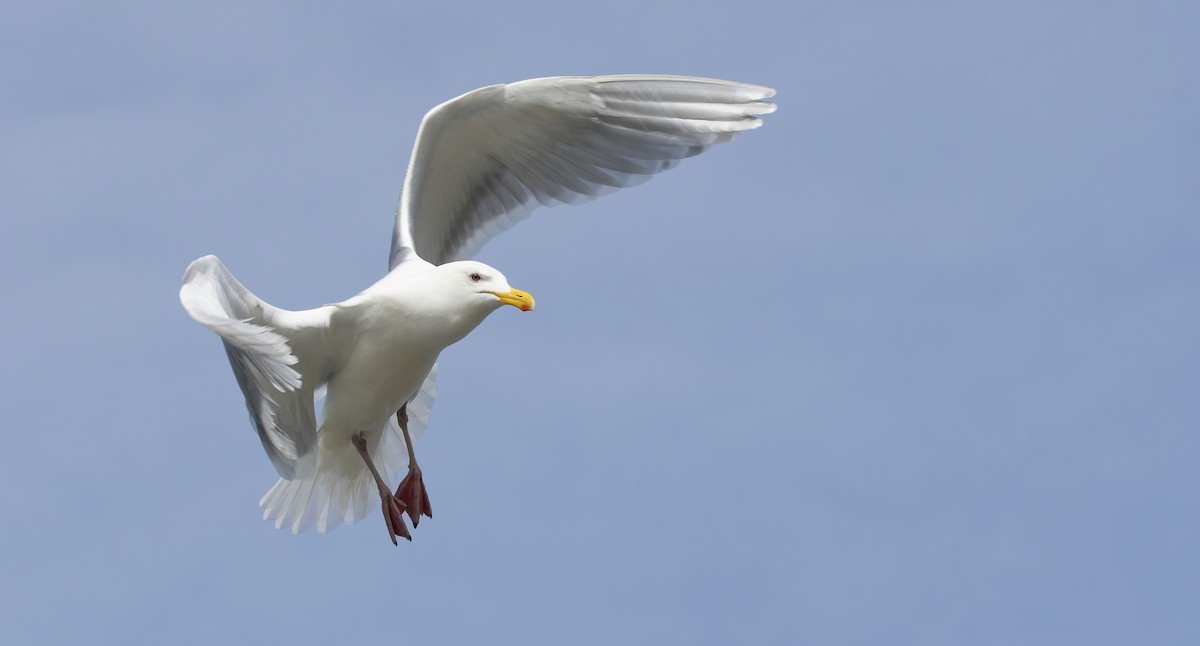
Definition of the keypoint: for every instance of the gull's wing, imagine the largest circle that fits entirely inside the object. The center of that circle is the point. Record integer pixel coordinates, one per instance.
(263, 343)
(484, 160)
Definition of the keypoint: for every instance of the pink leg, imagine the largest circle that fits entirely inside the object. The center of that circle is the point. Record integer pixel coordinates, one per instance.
(393, 508)
(412, 489)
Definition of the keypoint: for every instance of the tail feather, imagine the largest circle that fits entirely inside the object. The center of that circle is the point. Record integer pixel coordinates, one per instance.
(341, 494)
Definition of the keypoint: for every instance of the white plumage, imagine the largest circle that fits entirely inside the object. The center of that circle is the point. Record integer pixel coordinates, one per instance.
(481, 162)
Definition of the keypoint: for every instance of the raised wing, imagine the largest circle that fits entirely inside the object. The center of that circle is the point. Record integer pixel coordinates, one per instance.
(263, 343)
(484, 160)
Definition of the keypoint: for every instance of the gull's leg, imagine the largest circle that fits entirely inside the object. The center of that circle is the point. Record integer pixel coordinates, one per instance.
(412, 487)
(393, 508)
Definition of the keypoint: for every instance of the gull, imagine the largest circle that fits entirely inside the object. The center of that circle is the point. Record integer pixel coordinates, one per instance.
(481, 162)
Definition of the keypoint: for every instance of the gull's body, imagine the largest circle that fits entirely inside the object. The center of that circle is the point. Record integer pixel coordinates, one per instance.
(481, 162)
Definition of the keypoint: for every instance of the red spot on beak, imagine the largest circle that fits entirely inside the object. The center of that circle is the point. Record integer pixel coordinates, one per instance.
(524, 307)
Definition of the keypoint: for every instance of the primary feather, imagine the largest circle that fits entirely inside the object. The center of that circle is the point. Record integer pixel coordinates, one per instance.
(484, 160)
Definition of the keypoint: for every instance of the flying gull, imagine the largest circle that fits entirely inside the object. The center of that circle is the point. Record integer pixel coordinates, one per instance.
(481, 162)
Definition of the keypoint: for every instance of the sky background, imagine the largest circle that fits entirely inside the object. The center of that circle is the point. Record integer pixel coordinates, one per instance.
(915, 363)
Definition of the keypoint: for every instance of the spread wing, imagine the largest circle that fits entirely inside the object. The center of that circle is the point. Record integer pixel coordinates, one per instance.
(278, 357)
(486, 159)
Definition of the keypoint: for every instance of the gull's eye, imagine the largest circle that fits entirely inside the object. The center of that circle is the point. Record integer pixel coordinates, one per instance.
(475, 277)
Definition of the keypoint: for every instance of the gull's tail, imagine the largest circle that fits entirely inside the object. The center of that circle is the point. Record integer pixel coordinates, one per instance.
(344, 493)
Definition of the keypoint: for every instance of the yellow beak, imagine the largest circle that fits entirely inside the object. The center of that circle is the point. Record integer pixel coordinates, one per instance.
(516, 298)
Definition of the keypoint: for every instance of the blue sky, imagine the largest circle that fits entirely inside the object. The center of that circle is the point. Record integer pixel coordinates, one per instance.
(914, 363)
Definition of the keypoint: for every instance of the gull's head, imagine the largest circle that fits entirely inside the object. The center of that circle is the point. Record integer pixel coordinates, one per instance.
(482, 285)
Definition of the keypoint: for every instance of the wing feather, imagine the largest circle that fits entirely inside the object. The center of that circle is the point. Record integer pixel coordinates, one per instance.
(484, 160)
(264, 345)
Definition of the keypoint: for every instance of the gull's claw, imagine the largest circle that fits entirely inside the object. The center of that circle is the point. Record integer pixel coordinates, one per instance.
(393, 507)
(412, 487)
(393, 515)
(413, 494)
